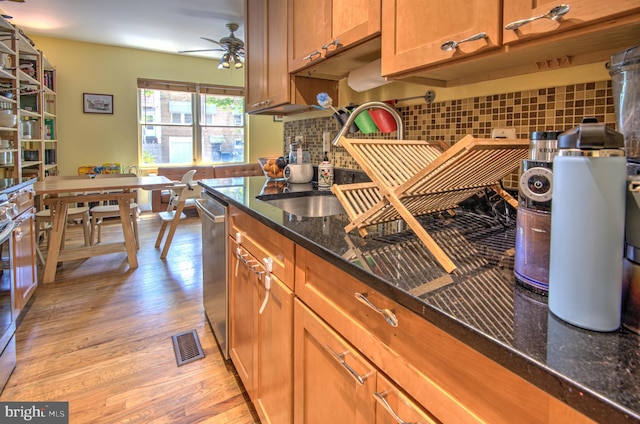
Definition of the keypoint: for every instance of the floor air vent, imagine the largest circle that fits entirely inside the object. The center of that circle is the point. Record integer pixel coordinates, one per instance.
(187, 347)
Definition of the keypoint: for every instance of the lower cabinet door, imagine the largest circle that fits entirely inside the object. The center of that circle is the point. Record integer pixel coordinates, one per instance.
(261, 337)
(243, 319)
(24, 258)
(393, 406)
(275, 352)
(333, 383)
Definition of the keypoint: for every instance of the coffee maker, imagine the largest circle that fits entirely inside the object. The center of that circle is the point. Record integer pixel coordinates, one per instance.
(533, 225)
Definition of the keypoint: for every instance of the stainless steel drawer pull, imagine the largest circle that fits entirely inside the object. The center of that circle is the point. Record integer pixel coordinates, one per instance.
(311, 55)
(382, 400)
(335, 42)
(554, 14)
(388, 315)
(340, 358)
(452, 45)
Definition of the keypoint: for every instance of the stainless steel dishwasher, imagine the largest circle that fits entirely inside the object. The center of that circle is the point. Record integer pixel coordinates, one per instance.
(215, 293)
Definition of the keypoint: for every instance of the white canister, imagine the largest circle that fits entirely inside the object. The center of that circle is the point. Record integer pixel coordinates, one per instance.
(298, 173)
(587, 228)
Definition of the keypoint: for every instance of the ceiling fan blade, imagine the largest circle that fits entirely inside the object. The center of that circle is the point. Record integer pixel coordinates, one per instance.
(201, 50)
(213, 41)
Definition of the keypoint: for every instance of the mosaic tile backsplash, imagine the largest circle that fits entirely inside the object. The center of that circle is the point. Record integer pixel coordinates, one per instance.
(546, 109)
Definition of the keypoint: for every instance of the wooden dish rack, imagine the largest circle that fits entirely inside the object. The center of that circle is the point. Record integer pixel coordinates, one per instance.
(410, 178)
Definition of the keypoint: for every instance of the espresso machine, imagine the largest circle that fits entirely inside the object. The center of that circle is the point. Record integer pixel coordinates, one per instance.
(624, 69)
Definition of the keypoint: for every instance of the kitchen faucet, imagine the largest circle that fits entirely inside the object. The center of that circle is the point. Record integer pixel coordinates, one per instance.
(370, 105)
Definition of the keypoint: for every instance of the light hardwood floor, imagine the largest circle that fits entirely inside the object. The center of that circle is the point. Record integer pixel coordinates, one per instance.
(99, 337)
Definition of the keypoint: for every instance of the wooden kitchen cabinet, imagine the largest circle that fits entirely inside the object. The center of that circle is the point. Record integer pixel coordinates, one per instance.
(261, 315)
(441, 373)
(581, 13)
(334, 383)
(270, 88)
(266, 58)
(414, 30)
(320, 29)
(23, 248)
(243, 321)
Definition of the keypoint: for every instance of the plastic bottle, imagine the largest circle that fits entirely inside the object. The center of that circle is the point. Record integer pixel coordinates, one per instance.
(325, 173)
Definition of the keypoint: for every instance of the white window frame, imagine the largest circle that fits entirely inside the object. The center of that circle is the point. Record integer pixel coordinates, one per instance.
(195, 90)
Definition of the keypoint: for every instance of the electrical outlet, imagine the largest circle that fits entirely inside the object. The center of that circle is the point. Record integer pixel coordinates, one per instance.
(503, 133)
(299, 139)
(326, 141)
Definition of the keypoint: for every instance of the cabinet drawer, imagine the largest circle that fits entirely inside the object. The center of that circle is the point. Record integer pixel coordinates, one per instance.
(451, 380)
(260, 240)
(394, 406)
(334, 383)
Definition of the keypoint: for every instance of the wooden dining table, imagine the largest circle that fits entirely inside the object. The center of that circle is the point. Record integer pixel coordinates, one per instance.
(58, 194)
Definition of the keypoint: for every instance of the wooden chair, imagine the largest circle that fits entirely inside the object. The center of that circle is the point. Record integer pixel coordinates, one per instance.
(78, 215)
(413, 178)
(104, 210)
(187, 179)
(181, 194)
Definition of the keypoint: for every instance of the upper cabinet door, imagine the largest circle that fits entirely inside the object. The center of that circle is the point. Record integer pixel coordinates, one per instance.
(353, 21)
(319, 28)
(267, 74)
(309, 30)
(581, 13)
(256, 53)
(415, 30)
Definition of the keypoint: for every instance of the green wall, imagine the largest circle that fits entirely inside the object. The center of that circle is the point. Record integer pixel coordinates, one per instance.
(87, 139)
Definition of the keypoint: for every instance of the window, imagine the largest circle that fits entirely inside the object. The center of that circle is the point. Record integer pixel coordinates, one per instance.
(185, 123)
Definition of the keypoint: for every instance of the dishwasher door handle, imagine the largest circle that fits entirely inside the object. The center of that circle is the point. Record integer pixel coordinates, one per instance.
(203, 209)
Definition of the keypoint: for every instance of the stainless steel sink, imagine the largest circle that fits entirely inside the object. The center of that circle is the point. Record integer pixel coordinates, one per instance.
(310, 204)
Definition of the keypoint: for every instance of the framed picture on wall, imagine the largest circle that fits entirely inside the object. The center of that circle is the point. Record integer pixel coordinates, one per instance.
(97, 103)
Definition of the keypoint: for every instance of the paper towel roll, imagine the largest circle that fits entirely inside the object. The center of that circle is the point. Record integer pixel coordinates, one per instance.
(367, 77)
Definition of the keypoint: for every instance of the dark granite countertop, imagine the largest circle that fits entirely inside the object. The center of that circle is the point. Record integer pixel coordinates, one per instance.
(481, 303)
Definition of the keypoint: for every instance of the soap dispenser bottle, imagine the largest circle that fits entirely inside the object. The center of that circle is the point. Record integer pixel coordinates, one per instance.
(325, 170)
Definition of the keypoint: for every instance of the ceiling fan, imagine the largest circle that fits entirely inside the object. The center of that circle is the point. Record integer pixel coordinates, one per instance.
(231, 45)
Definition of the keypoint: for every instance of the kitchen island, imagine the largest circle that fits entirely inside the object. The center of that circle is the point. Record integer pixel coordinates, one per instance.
(481, 304)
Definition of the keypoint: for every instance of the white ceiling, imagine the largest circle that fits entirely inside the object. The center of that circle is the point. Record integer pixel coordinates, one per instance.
(159, 25)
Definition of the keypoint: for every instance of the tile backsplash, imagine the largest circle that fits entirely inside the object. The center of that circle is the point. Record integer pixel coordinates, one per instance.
(546, 109)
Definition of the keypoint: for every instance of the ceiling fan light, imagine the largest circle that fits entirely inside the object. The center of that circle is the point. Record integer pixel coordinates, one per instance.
(236, 60)
(224, 62)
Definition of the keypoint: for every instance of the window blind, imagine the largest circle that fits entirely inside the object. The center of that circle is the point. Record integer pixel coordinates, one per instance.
(190, 87)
